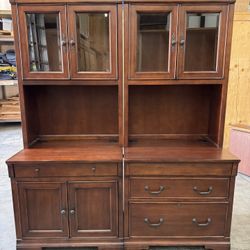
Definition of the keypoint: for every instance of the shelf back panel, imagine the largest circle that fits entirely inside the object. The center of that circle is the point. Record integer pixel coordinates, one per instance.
(172, 110)
(72, 110)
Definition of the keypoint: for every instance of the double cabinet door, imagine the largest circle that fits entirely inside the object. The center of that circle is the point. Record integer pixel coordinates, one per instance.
(164, 41)
(73, 209)
(74, 42)
(176, 41)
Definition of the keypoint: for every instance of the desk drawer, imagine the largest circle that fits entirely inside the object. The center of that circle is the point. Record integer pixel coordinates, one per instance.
(65, 170)
(179, 169)
(177, 219)
(179, 187)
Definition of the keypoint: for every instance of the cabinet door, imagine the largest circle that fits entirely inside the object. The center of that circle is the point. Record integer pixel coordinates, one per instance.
(93, 41)
(43, 42)
(43, 208)
(152, 40)
(93, 209)
(202, 32)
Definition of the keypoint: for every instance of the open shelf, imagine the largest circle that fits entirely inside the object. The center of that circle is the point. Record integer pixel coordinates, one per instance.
(55, 120)
(173, 141)
(164, 115)
(7, 39)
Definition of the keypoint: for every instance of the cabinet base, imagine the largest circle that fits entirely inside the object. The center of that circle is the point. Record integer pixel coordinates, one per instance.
(43, 245)
(177, 245)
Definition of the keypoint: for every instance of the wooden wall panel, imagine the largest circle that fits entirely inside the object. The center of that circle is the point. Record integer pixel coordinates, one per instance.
(238, 102)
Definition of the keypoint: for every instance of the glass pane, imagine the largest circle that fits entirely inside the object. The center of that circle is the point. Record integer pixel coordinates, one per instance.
(93, 41)
(44, 42)
(152, 41)
(201, 41)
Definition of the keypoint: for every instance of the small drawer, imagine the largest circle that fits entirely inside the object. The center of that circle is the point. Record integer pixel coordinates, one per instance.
(65, 170)
(179, 169)
(177, 219)
(179, 187)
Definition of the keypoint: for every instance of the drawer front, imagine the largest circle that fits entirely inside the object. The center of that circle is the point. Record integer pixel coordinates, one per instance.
(181, 169)
(66, 170)
(177, 219)
(179, 187)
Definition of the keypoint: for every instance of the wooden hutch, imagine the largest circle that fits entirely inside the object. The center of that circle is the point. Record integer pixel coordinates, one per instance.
(123, 108)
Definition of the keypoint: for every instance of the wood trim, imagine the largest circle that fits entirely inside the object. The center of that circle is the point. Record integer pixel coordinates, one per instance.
(120, 74)
(16, 206)
(61, 10)
(125, 73)
(150, 8)
(75, 74)
(16, 31)
(218, 74)
(119, 1)
(226, 69)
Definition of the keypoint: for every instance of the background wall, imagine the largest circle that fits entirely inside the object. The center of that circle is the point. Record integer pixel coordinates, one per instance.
(238, 101)
(4, 5)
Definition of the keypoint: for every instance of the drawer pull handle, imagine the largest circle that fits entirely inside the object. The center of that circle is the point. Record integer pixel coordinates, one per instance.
(147, 221)
(209, 191)
(202, 224)
(37, 170)
(146, 188)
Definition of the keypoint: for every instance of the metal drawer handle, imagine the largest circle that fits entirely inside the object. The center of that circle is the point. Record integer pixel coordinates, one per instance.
(146, 188)
(209, 191)
(37, 170)
(202, 224)
(147, 221)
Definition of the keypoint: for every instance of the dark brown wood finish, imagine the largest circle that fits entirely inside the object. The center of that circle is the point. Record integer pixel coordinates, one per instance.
(61, 12)
(93, 208)
(109, 156)
(43, 209)
(218, 73)
(170, 52)
(112, 10)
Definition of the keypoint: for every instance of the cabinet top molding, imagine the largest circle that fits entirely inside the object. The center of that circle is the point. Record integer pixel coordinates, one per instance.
(117, 1)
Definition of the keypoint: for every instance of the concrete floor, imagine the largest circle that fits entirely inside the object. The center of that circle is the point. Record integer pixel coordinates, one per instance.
(11, 142)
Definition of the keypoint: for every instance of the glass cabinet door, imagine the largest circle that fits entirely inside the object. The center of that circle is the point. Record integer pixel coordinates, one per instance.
(201, 41)
(43, 44)
(152, 41)
(92, 39)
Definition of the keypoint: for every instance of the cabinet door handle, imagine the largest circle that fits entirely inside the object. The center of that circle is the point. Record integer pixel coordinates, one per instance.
(173, 40)
(72, 43)
(147, 221)
(72, 211)
(161, 188)
(63, 211)
(182, 42)
(63, 43)
(209, 191)
(199, 224)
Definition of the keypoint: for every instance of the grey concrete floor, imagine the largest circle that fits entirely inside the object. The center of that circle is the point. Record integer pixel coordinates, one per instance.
(11, 142)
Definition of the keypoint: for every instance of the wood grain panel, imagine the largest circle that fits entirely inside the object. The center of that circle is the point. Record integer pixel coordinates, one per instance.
(238, 101)
(170, 109)
(177, 219)
(64, 110)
